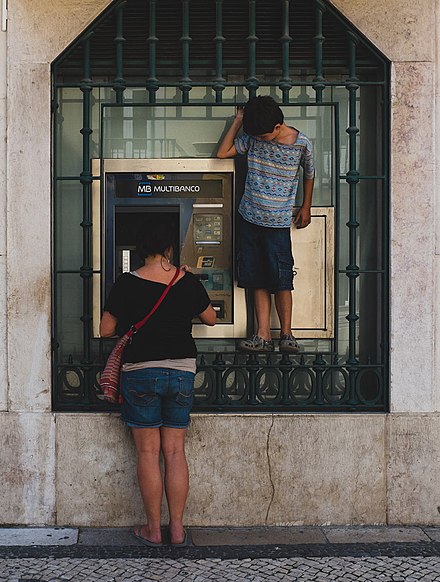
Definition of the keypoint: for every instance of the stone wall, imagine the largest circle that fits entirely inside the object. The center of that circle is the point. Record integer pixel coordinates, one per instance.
(246, 470)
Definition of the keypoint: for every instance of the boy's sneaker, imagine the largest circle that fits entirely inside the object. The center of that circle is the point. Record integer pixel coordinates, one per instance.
(289, 344)
(255, 344)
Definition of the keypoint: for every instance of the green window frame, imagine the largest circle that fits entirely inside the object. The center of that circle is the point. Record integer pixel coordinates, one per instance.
(303, 53)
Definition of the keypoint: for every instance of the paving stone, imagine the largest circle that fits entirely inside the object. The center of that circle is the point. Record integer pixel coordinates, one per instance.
(433, 533)
(38, 536)
(372, 535)
(256, 536)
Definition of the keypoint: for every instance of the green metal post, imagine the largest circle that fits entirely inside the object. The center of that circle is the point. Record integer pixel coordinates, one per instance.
(285, 365)
(352, 180)
(319, 39)
(219, 81)
(119, 84)
(252, 366)
(285, 81)
(185, 82)
(319, 366)
(219, 366)
(385, 229)
(86, 270)
(252, 82)
(152, 81)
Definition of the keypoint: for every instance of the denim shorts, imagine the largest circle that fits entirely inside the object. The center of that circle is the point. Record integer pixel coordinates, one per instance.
(264, 259)
(155, 397)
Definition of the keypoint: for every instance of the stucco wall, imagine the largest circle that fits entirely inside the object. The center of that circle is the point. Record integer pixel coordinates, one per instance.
(270, 469)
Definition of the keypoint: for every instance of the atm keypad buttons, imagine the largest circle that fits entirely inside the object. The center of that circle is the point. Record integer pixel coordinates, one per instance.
(208, 228)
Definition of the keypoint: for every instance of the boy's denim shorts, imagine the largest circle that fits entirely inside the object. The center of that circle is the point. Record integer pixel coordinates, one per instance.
(155, 397)
(264, 259)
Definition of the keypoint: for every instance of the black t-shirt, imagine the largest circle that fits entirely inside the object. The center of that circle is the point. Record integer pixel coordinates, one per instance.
(167, 334)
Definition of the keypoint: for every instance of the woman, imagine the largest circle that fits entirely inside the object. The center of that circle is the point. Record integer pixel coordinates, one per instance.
(158, 373)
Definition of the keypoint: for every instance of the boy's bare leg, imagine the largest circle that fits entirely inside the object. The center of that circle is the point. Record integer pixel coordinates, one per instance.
(283, 304)
(262, 310)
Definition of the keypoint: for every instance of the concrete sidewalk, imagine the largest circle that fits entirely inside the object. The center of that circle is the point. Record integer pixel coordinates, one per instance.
(298, 554)
(215, 537)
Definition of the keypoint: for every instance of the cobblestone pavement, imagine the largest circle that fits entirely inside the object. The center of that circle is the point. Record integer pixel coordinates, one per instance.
(318, 569)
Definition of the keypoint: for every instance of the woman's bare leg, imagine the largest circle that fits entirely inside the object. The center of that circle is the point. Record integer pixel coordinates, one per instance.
(176, 478)
(147, 441)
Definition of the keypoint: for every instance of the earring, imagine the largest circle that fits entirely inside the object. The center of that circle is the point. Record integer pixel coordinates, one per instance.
(167, 260)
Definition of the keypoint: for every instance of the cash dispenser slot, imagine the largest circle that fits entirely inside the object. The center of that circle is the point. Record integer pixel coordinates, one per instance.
(219, 308)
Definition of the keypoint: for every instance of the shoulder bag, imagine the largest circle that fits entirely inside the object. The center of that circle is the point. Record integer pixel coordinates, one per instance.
(110, 380)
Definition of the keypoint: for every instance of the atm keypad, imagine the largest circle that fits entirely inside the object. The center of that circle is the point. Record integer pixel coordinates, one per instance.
(208, 228)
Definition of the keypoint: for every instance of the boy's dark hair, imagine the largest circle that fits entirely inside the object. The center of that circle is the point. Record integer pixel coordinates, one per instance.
(154, 237)
(261, 115)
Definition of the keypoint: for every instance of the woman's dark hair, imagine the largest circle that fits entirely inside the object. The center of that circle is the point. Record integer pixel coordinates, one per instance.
(261, 115)
(154, 237)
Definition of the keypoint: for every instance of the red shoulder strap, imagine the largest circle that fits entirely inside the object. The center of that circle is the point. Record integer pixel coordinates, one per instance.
(138, 325)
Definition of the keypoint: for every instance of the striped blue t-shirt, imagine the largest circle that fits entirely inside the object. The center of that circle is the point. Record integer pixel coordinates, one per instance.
(272, 178)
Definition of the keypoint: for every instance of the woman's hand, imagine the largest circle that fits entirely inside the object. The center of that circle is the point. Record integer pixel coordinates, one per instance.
(185, 268)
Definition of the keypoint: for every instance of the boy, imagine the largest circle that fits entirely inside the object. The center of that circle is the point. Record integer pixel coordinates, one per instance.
(265, 262)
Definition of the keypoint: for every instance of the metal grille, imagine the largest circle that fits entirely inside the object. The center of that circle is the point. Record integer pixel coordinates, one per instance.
(296, 49)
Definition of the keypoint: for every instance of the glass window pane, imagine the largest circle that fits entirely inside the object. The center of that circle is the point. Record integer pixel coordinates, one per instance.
(69, 309)
(195, 131)
(69, 122)
(164, 132)
(370, 310)
(68, 230)
(68, 137)
(369, 233)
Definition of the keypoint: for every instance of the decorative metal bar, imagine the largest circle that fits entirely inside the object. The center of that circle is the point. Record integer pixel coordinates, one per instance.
(185, 82)
(361, 271)
(251, 81)
(70, 272)
(208, 83)
(58, 119)
(72, 178)
(325, 377)
(285, 367)
(285, 81)
(352, 180)
(319, 366)
(336, 200)
(385, 230)
(119, 82)
(219, 81)
(319, 39)
(344, 177)
(152, 81)
(252, 367)
(219, 366)
(86, 270)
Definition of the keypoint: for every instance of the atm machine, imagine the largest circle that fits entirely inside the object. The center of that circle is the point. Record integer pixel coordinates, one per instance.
(196, 198)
